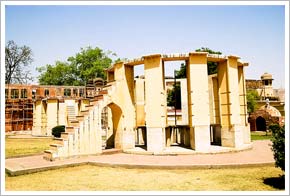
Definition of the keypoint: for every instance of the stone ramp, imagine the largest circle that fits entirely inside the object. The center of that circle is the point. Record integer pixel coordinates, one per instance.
(260, 154)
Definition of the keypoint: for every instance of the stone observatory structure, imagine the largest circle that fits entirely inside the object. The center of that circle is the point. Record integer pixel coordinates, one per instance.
(129, 109)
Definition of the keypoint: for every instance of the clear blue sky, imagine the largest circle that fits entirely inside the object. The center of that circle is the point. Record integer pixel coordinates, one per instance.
(255, 33)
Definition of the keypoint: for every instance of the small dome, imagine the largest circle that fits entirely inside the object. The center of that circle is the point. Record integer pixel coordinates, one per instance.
(271, 110)
(266, 76)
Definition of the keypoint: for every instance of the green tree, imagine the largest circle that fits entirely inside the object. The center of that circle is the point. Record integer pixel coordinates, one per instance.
(211, 66)
(252, 97)
(62, 73)
(181, 73)
(278, 145)
(89, 63)
(174, 97)
(17, 58)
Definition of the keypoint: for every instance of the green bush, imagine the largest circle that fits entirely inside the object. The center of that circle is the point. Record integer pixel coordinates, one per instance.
(56, 131)
(278, 146)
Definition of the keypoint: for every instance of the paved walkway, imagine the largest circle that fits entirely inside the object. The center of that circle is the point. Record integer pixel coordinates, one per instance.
(260, 154)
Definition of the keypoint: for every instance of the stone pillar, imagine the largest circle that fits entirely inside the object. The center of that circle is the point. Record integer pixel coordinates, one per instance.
(124, 76)
(98, 129)
(86, 138)
(36, 129)
(82, 137)
(52, 120)
(214, 99)
(140, 102)
(186, 137)
(184, 105)
(43, 117)
(92, 132)
(243, 105)
(168, 136)
(62, 113)
(181, 135)
(198, 103)
(155, 103)
(231, 131)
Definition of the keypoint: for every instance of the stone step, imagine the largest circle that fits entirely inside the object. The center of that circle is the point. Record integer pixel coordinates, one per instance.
(65, 135)
(48, 155)
(80, 118)
(70, 129)
(54, 147)
(58, 141)
(111, 151)
(74, 123)
(84, 112)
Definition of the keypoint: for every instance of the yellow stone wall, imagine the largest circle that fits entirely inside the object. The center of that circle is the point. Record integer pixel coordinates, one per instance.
(155, 97)
(140, 101)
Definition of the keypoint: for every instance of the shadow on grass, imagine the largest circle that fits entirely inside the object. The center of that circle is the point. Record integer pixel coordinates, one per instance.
(276, 182)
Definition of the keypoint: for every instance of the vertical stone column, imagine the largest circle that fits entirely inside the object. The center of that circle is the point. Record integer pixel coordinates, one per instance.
(92, 132)
(155, 103)
(168, 136)
(51, 113)
(184, 105)
(140, 102)
(43, 117)
(243, 105)
(231, 132)
(98, 129)
(242, 96)
(198, 103)
(82, 137)
(36, 129)
(62, 113)
(129, 108)
(124, 76)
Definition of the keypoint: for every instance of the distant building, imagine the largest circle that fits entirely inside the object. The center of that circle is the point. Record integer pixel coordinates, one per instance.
(21, 101)
(271, 104)
(265, 89)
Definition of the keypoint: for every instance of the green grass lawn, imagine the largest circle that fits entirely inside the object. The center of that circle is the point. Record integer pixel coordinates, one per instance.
(94, 178)
(260, 135)
(25, 146)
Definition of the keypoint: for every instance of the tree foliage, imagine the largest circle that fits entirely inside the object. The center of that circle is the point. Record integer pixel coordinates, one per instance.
(174, 97)
(181, 73)
(62, 73)
(17, 58)
(252, 97)
(89, 63)
(211, 66)
(278, 145)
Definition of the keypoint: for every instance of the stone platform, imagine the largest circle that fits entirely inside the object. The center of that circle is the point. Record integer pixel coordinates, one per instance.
(259, 155)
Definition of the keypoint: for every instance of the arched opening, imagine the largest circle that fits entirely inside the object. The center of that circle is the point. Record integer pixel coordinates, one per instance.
(111, 122)
(260, 124)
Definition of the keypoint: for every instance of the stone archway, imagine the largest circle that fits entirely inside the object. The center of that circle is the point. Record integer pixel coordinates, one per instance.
(112, 121)
(260, 124)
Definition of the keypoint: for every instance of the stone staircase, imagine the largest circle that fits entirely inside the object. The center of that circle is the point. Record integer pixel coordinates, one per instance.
(71, 114)
(83, 136)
